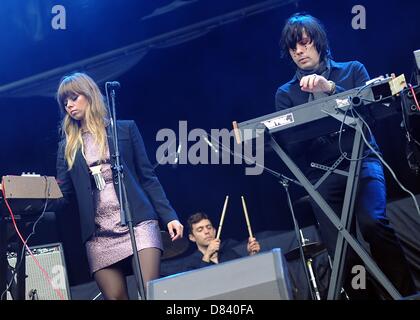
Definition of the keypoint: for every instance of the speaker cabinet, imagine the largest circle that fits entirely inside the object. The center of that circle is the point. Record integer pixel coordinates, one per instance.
(408, 102)
(37, 287)
(263, 276)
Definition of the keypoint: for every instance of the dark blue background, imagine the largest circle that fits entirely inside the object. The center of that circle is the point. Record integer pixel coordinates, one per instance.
(229, 74)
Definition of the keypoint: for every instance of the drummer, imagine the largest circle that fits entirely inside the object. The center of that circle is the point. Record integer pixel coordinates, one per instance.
(210, 250)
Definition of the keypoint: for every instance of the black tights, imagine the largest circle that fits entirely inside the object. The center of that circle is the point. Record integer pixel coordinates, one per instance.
(111, 280)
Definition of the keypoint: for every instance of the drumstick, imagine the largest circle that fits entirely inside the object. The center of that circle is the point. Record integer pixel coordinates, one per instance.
(222, 218)
(246, 217)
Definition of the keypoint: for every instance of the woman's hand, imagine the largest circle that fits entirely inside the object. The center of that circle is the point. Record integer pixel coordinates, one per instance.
(175, 229)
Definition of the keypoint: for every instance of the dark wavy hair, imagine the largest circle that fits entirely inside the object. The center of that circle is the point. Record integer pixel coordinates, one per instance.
(293, 30)
(195, 218)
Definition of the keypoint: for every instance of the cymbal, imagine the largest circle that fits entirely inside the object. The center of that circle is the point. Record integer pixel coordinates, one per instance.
(172, 248)
(310, 250)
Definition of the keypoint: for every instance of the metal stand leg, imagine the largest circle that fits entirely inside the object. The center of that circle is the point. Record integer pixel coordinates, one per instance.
(3, 259)
(313, 279)
(21, 271)
(299, 236)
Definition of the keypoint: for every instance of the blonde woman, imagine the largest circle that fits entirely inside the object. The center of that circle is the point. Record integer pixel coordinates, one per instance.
(86, 149)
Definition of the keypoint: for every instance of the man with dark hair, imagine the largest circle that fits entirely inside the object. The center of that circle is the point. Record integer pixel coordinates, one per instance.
(210, 250)
(304, 40)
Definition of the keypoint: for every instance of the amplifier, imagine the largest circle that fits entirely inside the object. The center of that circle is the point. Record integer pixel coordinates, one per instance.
(263, 276)
(37, 287)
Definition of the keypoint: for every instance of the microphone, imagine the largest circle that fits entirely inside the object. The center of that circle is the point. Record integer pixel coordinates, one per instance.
(113, 84)
(210, 144)
(178, 151)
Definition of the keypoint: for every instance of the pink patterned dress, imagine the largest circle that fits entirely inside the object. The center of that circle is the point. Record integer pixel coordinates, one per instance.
(111, 242)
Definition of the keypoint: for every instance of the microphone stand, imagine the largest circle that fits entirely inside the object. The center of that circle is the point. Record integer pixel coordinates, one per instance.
(125, 213)
(284, 181)
(299, 236)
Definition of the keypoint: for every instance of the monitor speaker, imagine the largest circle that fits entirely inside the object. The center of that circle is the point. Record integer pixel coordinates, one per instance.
(263, 276)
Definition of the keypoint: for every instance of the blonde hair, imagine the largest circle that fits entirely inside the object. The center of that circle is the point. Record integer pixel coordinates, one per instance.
(95, 116)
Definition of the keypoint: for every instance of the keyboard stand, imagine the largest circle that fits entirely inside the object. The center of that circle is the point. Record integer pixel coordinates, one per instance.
(343, 224)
